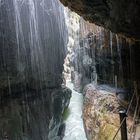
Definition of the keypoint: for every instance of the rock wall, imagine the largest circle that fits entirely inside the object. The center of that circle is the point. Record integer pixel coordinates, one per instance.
(114, 15)
(32, 33)
(33, 40)
(110, 59)
(34, 115)
(96, 54)
(73, 26)
(105, 58)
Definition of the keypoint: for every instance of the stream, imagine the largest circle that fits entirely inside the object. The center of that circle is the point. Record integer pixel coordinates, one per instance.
(74, 122)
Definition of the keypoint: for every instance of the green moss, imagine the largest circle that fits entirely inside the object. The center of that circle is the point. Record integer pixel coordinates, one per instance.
(66, 113)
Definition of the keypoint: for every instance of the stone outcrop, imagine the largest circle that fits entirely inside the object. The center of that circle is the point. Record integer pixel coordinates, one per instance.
(101, 114)
(118, 16)
(33, 115)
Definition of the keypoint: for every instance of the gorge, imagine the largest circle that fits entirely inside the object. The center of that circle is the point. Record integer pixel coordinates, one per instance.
(66, 76)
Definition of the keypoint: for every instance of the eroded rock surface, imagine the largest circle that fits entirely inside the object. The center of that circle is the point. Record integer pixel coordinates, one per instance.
(33, 38)
(101, 117)
(34, 115)
(118, 16)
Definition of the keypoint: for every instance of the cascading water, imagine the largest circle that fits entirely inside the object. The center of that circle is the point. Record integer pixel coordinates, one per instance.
(119, 59)
(74, 129)
(111, 44)
(40, 32)
(33, 40)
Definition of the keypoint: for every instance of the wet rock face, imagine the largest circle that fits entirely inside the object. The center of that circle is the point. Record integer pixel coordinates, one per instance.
(100, 113)
(32, 43)
(84, 68)
(33, 115)
(32, 50)
(106, 58)
(118, 16)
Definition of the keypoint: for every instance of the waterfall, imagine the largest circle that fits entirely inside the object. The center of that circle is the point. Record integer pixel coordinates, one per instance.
(33, 39)
(111, 44)
(118, 43)
(40, 39)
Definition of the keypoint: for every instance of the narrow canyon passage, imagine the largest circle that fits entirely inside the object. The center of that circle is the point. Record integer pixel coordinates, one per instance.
(74, 121)
(55, 69)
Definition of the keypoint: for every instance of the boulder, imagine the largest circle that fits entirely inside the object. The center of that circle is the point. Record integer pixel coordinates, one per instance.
(101, 114)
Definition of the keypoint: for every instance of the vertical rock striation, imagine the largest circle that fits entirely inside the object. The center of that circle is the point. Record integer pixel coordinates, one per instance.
(33, 42)
(105, 57)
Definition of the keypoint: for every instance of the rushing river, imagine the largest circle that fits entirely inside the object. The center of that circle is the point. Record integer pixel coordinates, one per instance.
(74, 122)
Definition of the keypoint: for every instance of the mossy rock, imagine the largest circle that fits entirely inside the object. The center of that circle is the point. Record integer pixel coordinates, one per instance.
(107, 132)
